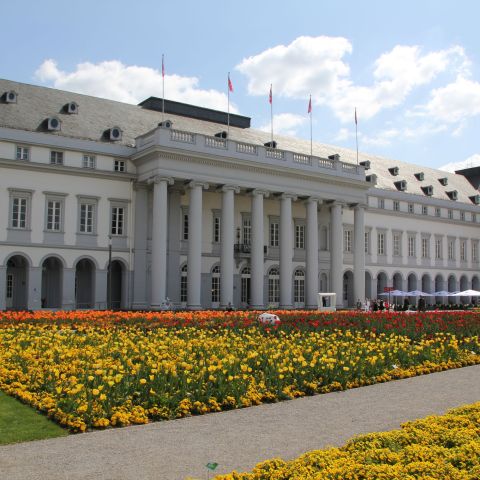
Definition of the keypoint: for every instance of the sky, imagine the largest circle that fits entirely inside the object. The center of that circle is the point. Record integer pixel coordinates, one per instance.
(411, 68)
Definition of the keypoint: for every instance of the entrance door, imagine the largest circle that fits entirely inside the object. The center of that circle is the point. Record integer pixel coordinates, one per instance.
(10, 283)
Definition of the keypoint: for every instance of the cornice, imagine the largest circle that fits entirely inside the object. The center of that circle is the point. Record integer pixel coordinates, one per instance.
(66, 170)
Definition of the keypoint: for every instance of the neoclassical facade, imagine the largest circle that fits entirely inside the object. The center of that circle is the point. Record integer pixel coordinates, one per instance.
(108, 204)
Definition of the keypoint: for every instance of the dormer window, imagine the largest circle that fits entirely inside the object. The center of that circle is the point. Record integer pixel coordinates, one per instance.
(475, 199)
(114, 134)
(223, 135)
(428, 190)
(401, 185)
(335, 157)
(10, 97)
(393, 171)
(272, 144)
(443, 181)
(71, 108)
(420, 176)
(53, 124)
(365, 164)
(453, 195)
(371, 178)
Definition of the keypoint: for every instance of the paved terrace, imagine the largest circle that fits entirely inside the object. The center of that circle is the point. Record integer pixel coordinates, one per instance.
(238, 439)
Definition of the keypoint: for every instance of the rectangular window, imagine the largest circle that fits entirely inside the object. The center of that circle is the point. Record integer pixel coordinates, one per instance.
(381, 203)
(474, 217)
(215, 288)
(463, 251)
(19, 212)
(89, 161)
(411, 208)
(438, 248)
(183, 287)
(247, 230)
(185, 225)
(274, 289)
(119, 166)
(299, 236)
(216, 229)
(411, 246)
(396, 244)
(396, 205)
(118, 216)
(54, 212)
(10, 285)
(462, 216)
(274, 235)
(367, 242)
(347, 240)
(86, 217)
(425, 244)
(381, 244)
(450, 214)
(475, 252)
(451, 249)
(437, 212)
(424, 210)
(56, 158)
(22, 153)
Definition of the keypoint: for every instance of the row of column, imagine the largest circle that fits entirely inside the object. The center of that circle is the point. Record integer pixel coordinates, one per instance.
(159, 247)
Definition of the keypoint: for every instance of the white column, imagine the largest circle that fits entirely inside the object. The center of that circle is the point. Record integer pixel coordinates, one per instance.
(194, 260)
(311, 262)
(286, 250)
(336, 252)
(359, 253)
(228, 239)
(159, 240)
(257, 255)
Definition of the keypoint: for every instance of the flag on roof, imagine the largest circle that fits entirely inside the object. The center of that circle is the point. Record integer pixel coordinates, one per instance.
(270, 96)
(230, 85)
(163, 67)
(310, 105)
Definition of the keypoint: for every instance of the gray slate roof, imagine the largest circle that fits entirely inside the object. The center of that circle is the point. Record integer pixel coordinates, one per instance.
(96, 115)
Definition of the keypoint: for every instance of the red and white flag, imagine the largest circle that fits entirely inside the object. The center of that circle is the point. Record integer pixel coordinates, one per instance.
(270, 96)
(310, 105)
(230, 85)
(163, 67)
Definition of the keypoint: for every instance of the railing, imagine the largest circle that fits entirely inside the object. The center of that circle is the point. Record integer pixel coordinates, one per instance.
(326, 163)
(301, 158)
(246, 248)
(247, 148)
(181, 136)
(274, 153)
(216, 142)
(348, 167)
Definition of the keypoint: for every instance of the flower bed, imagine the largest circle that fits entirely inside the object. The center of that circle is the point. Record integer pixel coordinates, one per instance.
(437, 447)
(93, 370)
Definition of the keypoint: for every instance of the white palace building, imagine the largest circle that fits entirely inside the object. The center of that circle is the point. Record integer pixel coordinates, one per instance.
(182, 210)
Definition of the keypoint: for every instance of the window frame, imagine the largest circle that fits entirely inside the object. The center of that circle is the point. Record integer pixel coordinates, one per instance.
(93, 202)
(86, 158)
(57, 157)
(119, 166)
(26, 196)
(23, 149)
(274, 232)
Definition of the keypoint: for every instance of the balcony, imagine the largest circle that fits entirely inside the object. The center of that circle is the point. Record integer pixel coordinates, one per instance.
(232, 149)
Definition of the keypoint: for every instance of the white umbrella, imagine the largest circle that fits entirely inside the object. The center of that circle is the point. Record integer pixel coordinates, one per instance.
(395, 293)
(466, 293)
(419, 293)
(441, 293)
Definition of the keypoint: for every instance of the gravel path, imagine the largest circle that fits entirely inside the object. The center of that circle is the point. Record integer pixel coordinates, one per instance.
(238, 439)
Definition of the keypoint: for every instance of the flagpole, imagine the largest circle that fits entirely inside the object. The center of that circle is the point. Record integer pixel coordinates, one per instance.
(311, 130)
(271, 113)
(228, 108)
(163, 88)
(356, 131)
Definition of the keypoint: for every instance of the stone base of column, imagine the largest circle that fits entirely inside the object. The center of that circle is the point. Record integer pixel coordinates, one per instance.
(194, 307)
(311, 307)
(286, 307)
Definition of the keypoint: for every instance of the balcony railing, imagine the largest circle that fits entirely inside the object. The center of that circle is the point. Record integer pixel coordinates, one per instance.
(245, 151)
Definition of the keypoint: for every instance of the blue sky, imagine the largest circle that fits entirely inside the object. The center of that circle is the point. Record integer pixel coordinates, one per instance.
(411, 68)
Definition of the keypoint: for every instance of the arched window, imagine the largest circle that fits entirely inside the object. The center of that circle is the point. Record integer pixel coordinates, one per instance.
(183, 284)
(299, 287)
(216, 284)
(245, 276)
(274, 285)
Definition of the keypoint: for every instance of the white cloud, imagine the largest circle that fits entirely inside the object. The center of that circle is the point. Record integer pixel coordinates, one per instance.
(343, 134)
(316, 65)
(129, 83)
(472, 161)
(454, 102)
(285, 123)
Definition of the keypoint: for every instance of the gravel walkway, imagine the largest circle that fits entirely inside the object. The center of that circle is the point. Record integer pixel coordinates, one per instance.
(238, 439)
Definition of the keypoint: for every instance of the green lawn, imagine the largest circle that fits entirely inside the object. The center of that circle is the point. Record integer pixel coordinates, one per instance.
(19, 423)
